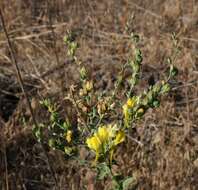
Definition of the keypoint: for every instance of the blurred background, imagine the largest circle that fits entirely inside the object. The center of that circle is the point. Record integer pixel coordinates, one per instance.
(169, 157)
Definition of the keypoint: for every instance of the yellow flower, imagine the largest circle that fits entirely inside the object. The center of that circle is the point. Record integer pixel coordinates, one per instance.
(94, 143)
(88, 86)
(106, 138)
(131, 102)
(125, 110)
(126, 114)
(103, 134)
(120, 137)
(112, 130)
(69, 136)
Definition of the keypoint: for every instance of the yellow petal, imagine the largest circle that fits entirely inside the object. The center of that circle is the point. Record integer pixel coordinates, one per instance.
(89, 144)
(69, 136)
(112, 130)
(89, 86)
(94, 143)
(120, 137)
(125, 109)
(103, 134)
(131, 102)
(126, 113)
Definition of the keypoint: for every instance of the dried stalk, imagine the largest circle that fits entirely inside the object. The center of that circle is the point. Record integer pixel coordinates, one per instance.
(20, 80)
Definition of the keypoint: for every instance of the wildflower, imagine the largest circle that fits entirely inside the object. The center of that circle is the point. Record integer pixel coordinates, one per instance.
(127, 107)
(88, 86)
(125, 111)
(127, 114)
(69, 136)
(106, 138)
(112, 130)
(131, 102)
(120, 137)
(99, 140)
(95, 144)
(103, 134)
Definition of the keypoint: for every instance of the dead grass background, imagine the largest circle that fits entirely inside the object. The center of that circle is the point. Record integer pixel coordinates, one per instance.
(169, 156)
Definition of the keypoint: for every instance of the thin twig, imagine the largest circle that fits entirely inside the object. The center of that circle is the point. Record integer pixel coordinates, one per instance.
(37, 35)
(187, 128)
(134, 140)
(20, 80)
(53, 33)
(73, 100)
(147, 11)
(187, 102)
(185, 85)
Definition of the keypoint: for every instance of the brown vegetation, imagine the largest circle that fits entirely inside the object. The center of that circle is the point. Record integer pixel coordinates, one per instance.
(168, 158)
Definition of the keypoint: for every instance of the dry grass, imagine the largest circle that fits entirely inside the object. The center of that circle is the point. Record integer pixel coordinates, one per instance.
(168, 158)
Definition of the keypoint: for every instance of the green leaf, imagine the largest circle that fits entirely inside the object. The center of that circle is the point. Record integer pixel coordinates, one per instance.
(173, 71)
(149, 97)
(138, 56)
(37, 131)
(156, 89)
(117, 182)
(165, 88)
(156, 103)
(103, 171)
(128, 182)
(51, 143)
(83, 73)
(68, 150)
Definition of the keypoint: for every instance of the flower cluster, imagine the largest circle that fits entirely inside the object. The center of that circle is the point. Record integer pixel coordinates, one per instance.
(128, 108)
(87, 87)
(105, 139)
(92, 108)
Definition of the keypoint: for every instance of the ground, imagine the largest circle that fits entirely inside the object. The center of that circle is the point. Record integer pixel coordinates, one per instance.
(168, 158)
